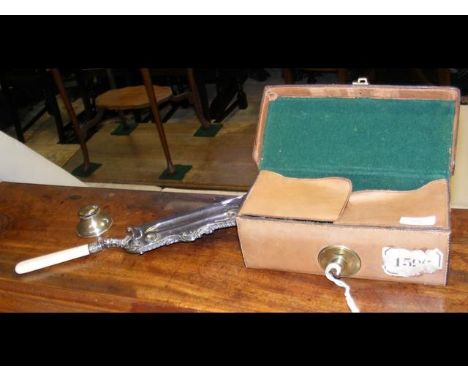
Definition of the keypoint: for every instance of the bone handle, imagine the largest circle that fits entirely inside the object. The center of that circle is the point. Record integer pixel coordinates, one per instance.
(51, 259)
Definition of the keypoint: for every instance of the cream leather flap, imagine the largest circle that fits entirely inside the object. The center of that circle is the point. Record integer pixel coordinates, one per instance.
(427, 206)
(277, 196)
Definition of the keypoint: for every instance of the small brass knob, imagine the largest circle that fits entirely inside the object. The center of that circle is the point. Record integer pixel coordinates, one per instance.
(92, 222)
(348, 260)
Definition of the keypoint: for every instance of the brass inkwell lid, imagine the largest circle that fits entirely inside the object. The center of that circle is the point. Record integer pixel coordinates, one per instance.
(93, 222)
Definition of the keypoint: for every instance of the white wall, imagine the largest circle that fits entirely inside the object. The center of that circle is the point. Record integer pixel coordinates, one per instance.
(459, 183)
(20, 164)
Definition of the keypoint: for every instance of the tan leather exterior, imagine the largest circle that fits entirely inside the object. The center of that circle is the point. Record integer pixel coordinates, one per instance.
(274, 195)
(294, 246)
(385, 208)
(271, 93)
(369, 221)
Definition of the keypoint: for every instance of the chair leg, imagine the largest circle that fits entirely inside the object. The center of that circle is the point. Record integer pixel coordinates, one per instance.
(443, 75)
(6, 88)
(157, 118)
(195, 99)
(53, 108)
(288, 76)
(137, 116)
(123, 119)
(16, 120)
(372, 75)
(80, 79)
(71, 113)
(342, 75)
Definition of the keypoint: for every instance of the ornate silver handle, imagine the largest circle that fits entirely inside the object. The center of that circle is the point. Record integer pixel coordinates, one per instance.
(182, 227)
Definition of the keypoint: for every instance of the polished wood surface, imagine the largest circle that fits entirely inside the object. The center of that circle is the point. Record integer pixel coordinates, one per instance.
(206, 275)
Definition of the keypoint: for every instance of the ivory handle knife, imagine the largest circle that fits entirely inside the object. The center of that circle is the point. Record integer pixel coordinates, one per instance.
(51, 259)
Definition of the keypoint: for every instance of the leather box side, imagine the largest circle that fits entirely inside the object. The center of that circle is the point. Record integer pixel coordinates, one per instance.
(293, 246)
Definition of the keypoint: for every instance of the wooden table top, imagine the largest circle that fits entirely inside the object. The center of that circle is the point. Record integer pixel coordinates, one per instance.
(205, 275)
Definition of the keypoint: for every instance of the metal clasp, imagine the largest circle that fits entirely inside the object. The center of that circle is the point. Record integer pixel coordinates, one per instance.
(346, 258)
(361, 81)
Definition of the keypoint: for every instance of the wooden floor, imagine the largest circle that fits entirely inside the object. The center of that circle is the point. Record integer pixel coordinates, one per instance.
(42, 137)
(221, 162)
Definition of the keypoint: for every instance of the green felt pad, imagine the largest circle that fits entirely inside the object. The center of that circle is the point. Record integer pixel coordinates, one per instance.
(208, 132)
(180, 171)
(377, 143)
(124, 130)
(81, 172)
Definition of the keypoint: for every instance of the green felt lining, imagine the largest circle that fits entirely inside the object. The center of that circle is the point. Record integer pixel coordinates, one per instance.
(377, 143)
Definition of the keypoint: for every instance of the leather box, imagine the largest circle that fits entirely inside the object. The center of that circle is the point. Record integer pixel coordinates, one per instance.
(361, 167)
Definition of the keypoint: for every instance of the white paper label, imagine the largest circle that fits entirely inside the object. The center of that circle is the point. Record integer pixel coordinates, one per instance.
(423, 220)
(409, 263)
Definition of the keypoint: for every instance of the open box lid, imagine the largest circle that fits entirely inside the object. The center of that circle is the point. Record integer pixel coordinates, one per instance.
(380, 137)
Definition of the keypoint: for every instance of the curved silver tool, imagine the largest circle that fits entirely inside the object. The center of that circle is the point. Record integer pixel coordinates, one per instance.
(146, 237)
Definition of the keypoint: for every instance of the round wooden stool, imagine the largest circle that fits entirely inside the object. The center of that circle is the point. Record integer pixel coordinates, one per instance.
(127, 98)
(131, 97)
